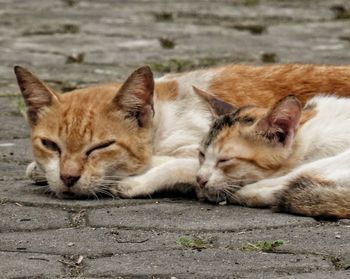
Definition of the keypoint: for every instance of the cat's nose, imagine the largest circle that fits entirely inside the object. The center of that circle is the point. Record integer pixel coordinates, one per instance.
(69, 180)
(201, 181)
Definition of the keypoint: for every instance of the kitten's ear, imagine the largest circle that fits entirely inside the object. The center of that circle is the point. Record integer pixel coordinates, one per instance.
(36, 94)
(281, 123)
(135, 97)
(216, 106)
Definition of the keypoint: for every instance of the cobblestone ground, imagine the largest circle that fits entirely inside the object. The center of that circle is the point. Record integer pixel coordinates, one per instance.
(76, 43)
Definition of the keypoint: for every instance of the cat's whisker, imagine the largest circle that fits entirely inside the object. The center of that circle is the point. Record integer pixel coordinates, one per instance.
(107, 183)
(105, 191)
(93, 194)
(231, 196)
(105, 188)
(113, 177)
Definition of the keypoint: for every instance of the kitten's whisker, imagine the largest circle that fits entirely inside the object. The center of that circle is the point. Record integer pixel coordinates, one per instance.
(231, 196)
(115, 182)
(241, 182)
(92, 193)
(233, 187)
(107, 193)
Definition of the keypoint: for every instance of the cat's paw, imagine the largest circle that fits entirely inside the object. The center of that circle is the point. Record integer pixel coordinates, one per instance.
(34, 173)
(126, 188)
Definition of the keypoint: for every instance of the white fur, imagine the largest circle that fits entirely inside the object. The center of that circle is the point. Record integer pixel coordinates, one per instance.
(52, 172)
(184, 122)
(328, 133)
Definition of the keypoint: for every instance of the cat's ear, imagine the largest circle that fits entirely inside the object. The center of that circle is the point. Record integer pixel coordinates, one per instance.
(216, 106)
(280, 124)
(135, 97)
(35, 93)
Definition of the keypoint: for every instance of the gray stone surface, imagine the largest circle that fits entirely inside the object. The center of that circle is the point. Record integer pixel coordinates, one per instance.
(205, 263)
(320, 275)
(75, 43)
(28, 265)
(18, 217)
(192, 216)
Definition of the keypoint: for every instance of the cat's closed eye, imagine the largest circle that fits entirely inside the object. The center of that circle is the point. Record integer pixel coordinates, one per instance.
(50, 145)
(100, 146)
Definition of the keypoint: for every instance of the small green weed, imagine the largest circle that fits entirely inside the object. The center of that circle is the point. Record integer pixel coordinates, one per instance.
(195, 243)
(265, 246)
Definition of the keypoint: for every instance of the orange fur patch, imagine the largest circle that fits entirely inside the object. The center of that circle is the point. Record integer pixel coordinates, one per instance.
(264, 85)
(167, 90)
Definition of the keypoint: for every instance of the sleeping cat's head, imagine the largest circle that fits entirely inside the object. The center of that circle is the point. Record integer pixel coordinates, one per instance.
(86, 138)
(247, 144)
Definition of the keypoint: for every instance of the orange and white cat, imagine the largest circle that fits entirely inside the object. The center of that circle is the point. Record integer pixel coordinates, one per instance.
(299, 158)
(141, 137)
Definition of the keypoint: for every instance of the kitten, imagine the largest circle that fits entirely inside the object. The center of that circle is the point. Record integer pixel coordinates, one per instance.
(294, 158)
(141, 137)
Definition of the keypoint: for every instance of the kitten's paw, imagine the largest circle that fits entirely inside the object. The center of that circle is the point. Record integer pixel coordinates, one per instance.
(34, 173)
(260, 194)
(126, 188)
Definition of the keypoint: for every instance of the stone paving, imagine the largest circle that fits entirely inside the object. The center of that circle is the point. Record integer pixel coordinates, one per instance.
(74, 43)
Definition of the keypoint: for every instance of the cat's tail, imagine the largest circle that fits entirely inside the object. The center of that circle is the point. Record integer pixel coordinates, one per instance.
(309, 195)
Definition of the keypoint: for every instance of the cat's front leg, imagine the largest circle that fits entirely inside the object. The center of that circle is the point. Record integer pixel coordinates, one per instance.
(162, 177)
(263, 193)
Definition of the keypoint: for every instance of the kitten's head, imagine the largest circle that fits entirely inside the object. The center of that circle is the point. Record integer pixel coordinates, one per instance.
(248, 144)
(85, 139)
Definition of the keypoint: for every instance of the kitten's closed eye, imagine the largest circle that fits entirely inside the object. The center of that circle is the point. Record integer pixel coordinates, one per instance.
(50, 145)
(100, 146)
(201, 156)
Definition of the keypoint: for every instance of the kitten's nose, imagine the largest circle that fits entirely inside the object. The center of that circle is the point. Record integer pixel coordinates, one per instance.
(201, 181)
(69, 180)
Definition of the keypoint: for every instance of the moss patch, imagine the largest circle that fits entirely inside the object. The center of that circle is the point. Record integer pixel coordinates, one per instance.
(163, 16)
(269, 57)
(52, 29)
(177, 65)
(167, 43)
